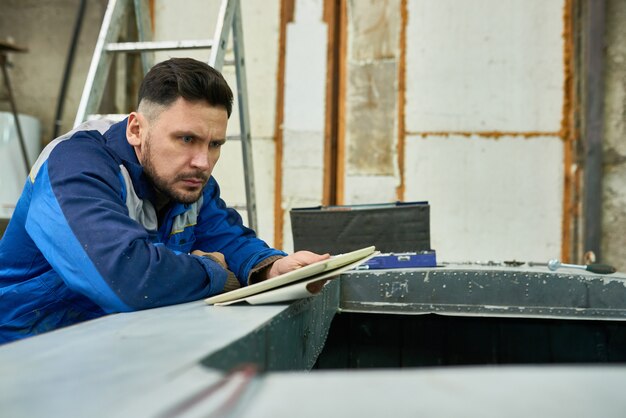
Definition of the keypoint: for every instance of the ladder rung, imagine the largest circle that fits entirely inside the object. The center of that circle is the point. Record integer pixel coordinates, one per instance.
(121, 116)
(117, 117)
(159, 45)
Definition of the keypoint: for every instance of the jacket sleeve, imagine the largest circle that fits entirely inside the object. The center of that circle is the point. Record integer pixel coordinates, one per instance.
(220, 229)
(79, 221)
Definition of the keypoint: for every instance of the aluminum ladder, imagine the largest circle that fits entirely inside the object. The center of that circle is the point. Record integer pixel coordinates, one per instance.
(229, 18)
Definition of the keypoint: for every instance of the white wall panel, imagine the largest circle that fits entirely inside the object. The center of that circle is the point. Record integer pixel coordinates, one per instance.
(229, 174)
(484, 65)
(490, 199)
(370, 189)
(304, 117)
(305, 69)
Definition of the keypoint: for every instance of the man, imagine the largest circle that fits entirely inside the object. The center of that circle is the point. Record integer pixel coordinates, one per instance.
(116, 217)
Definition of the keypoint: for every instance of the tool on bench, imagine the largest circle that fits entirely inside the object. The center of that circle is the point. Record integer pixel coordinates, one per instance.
(555, 264)
(400, 260)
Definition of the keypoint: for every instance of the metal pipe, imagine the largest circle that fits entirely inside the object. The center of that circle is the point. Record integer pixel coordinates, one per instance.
(594, 24)
(68, 68)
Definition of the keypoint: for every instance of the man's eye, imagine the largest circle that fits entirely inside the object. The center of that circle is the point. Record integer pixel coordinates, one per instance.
(186, 139)
(215, 144)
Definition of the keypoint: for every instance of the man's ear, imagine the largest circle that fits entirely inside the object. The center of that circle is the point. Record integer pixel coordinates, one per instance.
(134, 129)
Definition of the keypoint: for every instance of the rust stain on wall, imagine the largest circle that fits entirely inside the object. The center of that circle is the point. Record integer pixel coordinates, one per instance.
(404, 19)
(152, 14)
(328, 194)
(569, 135)
(332, 18)
(568, 45)
(286, 15)
(341, 122)
(485, 134)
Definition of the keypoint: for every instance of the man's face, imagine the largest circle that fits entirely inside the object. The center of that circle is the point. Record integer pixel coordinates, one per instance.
(179, 148)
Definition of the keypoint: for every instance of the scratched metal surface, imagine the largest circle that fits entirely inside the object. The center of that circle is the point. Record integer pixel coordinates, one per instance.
(486, 291)
(143, 363)
(100, 367)
(485, 392)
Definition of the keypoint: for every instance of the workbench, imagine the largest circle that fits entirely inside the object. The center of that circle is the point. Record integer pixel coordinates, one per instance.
(185, 360)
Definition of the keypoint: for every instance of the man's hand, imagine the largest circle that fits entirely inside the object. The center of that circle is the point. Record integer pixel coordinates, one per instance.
(217, 257)
(293, 262)
(231, 280)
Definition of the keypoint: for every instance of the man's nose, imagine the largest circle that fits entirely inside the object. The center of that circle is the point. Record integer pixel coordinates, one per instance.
(201, 160)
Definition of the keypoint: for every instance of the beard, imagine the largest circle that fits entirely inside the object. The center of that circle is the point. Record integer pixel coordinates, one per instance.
(166, 187)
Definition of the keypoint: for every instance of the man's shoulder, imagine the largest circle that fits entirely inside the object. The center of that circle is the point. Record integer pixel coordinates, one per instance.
(91, 132)
(90, 138)
(80, 152)
(82, 149)
(79, 147)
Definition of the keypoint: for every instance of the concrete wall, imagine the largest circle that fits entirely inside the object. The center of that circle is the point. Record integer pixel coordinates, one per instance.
(46, 27)
(614, 180)
(484, 104)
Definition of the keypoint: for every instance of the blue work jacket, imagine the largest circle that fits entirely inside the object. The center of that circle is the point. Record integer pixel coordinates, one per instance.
(84, 240)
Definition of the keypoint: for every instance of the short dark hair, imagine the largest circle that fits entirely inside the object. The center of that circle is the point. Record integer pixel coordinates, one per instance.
(188, 78)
